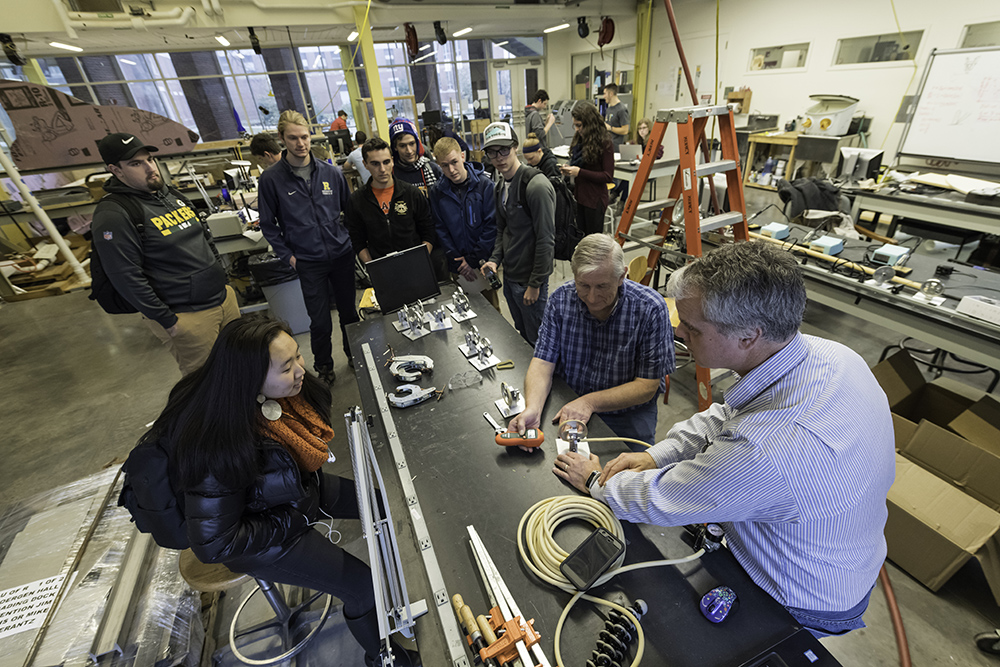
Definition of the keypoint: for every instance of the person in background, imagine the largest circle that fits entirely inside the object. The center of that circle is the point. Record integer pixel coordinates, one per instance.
(464, 213)
(526, 228)
(412, 166)
(609, 338)
(533, 121)
(340, 122)
(164, 264)
(617, 120)
(436, 132)
(265, 148)
(388, 214)
(300, 203)
(799, 489)
(246, 436)
(642, 131)
(355, 159)
(540, 157)
(592, 166)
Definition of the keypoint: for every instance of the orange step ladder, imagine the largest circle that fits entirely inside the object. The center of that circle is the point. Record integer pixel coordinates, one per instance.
(691, 123)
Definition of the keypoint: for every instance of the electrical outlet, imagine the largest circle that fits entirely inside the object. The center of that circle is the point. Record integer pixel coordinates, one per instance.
(441, 597)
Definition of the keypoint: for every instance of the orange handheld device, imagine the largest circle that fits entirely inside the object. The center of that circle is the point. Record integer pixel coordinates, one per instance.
(533, 437)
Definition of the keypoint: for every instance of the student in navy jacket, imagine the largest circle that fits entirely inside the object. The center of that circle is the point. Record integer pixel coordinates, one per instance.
(300, 203)
(464, 210)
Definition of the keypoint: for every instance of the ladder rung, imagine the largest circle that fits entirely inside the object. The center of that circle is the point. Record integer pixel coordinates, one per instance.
(721, 220)
(654, 205)
(644, 242)
(717, 167)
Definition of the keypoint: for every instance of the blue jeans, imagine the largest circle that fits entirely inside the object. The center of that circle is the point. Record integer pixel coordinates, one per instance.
(527, 319)
(638, 423)
(832, 623)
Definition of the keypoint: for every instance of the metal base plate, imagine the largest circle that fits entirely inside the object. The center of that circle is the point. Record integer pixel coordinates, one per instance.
(562, 447)
(414, 335)
(460, 317)
(490, 363)
(464, 349)
(509, 411)
(444, 326)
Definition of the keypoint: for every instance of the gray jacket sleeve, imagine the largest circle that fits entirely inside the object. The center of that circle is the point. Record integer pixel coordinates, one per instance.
(542, 204)
(536, 125)
(117, 242)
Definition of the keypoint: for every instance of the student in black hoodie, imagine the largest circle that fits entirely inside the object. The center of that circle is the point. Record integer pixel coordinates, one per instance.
(541, 158)
(163, 264)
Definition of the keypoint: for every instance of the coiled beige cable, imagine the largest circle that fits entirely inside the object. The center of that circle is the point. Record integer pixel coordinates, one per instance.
(543, 555)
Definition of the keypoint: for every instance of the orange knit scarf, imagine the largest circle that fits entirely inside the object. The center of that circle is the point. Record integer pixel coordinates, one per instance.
(301, 431)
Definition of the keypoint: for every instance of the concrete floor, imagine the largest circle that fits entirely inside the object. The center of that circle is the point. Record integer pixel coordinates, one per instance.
(80, 386)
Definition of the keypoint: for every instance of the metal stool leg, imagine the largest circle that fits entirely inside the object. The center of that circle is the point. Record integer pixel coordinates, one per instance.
(284, 619)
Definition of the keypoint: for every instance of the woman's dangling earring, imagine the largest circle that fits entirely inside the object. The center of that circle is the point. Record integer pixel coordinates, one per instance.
(270, 408)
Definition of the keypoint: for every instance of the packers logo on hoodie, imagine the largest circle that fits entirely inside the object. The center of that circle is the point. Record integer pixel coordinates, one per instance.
(180, 218)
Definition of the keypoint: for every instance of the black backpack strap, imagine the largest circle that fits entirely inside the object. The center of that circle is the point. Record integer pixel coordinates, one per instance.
(131, 207)
(531, 173)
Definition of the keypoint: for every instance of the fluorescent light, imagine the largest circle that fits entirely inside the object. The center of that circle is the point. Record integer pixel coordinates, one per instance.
(225, 42)
(556, 27)
(238, 55)
(425, 47)
(164, 55)
(423, 57)
(465, 31)
(128, 62)
(506, 41)
(353, 36)
(67, 47)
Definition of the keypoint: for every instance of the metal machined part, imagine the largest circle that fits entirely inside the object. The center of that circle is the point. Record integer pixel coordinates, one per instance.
(511, 395)
(485, 350)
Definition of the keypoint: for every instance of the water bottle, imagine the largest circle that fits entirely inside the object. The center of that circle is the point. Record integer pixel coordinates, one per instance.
(491, 276)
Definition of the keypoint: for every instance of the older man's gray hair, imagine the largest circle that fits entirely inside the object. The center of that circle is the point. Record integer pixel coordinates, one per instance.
(594, 252)
(744, 286)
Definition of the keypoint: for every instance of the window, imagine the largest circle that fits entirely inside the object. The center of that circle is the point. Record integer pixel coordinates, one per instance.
(878, 48)
(789, 56)
(981, 34)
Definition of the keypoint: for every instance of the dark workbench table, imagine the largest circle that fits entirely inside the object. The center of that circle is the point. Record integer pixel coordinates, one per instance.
(462, 477)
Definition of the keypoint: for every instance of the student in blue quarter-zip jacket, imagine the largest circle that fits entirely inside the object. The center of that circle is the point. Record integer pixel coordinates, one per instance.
(300, 203)
(464, 211)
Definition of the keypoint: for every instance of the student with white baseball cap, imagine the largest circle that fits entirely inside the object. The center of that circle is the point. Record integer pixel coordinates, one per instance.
(526, 205)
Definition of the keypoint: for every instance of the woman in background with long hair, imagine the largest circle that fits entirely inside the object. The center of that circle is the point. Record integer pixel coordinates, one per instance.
(592, 165)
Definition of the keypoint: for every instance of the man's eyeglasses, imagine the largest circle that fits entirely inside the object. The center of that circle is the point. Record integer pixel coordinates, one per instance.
(498, 152)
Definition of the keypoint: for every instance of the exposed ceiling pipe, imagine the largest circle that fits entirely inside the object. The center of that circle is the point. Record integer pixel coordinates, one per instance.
(207, 7)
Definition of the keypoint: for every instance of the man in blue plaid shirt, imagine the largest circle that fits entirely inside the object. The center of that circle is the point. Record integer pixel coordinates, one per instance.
(609, 338)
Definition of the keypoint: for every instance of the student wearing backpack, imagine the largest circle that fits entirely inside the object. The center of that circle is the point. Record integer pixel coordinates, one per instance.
(155, 253)
(246, 438)
(592, 165)
(526, 209)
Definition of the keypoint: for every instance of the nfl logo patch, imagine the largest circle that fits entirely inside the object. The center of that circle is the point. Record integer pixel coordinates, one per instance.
(108, 236)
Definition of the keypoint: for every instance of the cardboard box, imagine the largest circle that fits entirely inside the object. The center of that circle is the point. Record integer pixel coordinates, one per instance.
(944, 507)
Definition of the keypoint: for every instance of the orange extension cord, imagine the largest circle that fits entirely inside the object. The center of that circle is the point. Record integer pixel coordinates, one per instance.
(897, 620)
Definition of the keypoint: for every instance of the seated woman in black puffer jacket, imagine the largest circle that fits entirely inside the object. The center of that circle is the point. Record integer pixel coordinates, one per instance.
(247, 436)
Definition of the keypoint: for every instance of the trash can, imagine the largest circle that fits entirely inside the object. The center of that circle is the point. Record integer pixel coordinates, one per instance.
(281, 288)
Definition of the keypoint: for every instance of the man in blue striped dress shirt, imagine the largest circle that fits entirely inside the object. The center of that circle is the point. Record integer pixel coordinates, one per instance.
(609, 339)
(797, 462)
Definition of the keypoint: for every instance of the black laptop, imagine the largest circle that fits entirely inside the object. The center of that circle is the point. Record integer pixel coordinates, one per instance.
(402, 278)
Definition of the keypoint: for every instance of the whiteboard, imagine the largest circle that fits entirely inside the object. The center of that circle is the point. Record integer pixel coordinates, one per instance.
(958, 111)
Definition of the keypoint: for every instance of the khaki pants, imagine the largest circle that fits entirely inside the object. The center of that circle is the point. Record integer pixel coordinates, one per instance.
(196, 332)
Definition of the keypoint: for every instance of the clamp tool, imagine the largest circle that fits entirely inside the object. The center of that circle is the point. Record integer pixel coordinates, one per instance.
(409, 367)
(410, 394)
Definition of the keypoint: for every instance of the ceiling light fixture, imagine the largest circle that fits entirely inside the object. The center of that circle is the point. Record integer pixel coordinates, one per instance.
(423, 57)
(582, 28)
(353, 36)
(128, 62)
(504, 42)
(238, 55)
(425, 47)
(67, 47)
(556, 27)
(463, 31)
(222, 40)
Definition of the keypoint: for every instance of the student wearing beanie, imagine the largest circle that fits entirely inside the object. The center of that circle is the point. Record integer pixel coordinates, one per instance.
(411, 165)
(540, 157)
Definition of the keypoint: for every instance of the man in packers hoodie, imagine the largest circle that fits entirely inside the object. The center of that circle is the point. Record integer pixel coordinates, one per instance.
(412, 166)
(162, 264)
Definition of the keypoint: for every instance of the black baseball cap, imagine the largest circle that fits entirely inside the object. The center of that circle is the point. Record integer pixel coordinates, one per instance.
(121, 146)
